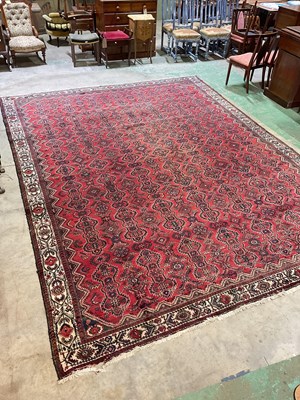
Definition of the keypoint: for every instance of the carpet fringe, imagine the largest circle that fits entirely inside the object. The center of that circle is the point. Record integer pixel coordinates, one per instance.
(102, 367)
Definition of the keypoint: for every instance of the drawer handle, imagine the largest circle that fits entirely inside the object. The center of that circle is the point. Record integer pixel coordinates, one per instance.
(117, 7)
(117, 18)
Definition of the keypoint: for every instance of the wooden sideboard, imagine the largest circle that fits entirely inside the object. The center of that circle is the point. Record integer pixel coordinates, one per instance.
(285, 83)
(112, 15)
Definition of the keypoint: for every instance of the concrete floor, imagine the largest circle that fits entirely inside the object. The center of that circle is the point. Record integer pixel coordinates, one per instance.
(260, 335)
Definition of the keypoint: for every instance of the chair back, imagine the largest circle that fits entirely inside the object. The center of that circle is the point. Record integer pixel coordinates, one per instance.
(82, 21)
(273, 50)
(215, 13)
(244, 20)
(17, 18)
(263, 49)
(168, 7)
(185, 13)
(226, 11)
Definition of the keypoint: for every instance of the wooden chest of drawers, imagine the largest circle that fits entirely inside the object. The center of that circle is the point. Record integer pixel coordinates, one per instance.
(112, 15)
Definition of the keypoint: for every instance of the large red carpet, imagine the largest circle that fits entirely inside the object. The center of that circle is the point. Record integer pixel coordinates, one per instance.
(151, 207)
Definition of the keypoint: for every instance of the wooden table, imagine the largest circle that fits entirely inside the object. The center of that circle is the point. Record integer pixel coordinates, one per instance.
(285, 82)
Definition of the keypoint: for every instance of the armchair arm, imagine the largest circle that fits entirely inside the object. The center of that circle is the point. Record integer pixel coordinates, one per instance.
(6, 33)
(54, 15)
(35, 32)
(47, 18)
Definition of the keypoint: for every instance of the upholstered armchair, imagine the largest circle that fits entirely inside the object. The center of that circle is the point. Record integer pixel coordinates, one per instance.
(23, 37)
(56, 26)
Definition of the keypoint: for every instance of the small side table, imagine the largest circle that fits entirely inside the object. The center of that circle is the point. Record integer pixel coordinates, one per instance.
(142, 26)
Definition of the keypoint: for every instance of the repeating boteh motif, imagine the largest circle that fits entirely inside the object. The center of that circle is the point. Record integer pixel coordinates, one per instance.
(148, 217)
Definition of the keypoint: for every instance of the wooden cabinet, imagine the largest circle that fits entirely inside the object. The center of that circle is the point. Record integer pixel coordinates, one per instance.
(112, 15)
(142, 26)
(285, 83)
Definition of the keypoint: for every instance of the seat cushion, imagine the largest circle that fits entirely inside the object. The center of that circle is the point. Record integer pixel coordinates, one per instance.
(241, 59)
(78, 38)
(214, 32)
(185, 34)
(115, 35)
(168, 27)
(26, 44)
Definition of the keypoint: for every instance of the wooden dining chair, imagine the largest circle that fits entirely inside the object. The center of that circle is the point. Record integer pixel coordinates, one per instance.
(184, 38)
(83, 34)
(252, 61)
(215, 23)
(168, 13)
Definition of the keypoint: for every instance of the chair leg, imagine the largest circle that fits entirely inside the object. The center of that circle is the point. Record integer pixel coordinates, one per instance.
(2, 170)
(169, 44)
(176, 45)
(8, 62)
(44, 55)
(247, 80)
(97, 52)
(129, 52)
(14, 61)
(73, 54)
(57, 41)
(206, 49)
(228, 73)
(263, 77)
(150, 49)
(226, 48)
(269, 76)
(106, 58)
(196, 51)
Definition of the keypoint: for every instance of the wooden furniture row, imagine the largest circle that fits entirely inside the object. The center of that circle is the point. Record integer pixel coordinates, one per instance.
(112, 15)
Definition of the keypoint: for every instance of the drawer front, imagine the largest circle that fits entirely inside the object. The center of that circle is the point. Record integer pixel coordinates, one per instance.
(116, 7)
(136, 6)
(116, 19)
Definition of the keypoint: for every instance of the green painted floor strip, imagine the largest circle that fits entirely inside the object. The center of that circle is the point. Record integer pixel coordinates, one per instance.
(274, 382)
(285, 122)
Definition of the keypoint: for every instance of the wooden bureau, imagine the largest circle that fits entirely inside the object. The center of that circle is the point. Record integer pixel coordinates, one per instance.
(112, 15)
(285, 82)
(287, 16)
